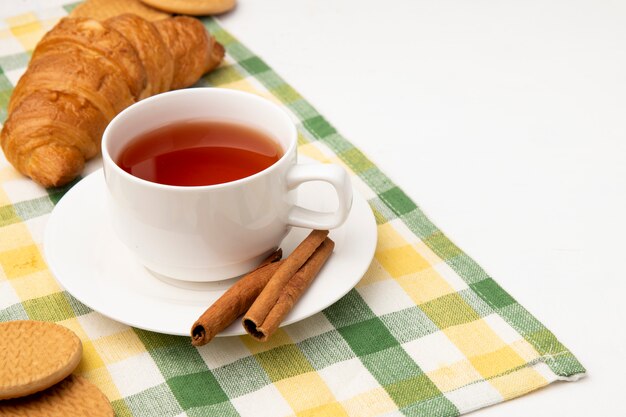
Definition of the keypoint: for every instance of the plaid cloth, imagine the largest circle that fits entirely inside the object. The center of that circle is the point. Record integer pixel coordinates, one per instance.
(426, 332)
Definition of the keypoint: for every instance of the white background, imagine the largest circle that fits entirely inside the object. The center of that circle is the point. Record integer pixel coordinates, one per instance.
(506, 122)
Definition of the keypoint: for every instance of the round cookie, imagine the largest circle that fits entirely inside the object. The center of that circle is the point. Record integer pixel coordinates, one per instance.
(40, 354)
(192, 7)
(104, 9)
(74, 396)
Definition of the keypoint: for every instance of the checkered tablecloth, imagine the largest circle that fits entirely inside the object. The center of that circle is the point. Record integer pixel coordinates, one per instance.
(426, 332)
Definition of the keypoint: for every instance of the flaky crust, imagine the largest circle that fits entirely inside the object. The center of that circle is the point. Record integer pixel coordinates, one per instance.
(84, 72)
(152, 50)
(189, 60)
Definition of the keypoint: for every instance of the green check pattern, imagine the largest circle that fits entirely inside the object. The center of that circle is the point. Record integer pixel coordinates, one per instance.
(425, 333)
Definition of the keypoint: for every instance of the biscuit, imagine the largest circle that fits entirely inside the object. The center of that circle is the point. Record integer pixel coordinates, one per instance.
(103, 9)
(35, 355)
(192, 7)
(74, 396)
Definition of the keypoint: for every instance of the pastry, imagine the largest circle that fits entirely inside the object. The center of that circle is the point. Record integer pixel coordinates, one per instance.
(83, 73)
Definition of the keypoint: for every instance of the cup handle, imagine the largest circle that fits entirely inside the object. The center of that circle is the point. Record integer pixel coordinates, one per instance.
(335, 176)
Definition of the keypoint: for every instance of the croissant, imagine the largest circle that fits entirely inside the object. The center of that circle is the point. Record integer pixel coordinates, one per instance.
(84, 72)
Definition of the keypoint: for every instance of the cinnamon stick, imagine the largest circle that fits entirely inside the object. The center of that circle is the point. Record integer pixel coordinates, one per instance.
(266, 300)
(261, 327)
(235, 301)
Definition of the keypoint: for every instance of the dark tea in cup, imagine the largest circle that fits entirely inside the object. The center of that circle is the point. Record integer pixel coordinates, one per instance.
(199, 152)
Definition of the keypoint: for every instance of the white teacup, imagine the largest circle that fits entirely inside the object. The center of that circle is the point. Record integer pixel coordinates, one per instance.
(213, 232)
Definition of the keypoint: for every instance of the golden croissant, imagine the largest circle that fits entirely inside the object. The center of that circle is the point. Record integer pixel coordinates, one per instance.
(84, 72)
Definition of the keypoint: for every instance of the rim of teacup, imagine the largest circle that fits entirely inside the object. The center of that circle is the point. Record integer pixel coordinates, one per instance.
(127, 112)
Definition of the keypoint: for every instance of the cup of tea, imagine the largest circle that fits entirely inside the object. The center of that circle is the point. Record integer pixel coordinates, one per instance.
(203, 182)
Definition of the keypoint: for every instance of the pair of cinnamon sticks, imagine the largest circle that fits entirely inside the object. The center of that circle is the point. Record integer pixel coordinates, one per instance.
(266, 294)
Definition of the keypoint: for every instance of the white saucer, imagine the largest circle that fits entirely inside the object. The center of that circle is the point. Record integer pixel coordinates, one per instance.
(89, 261)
